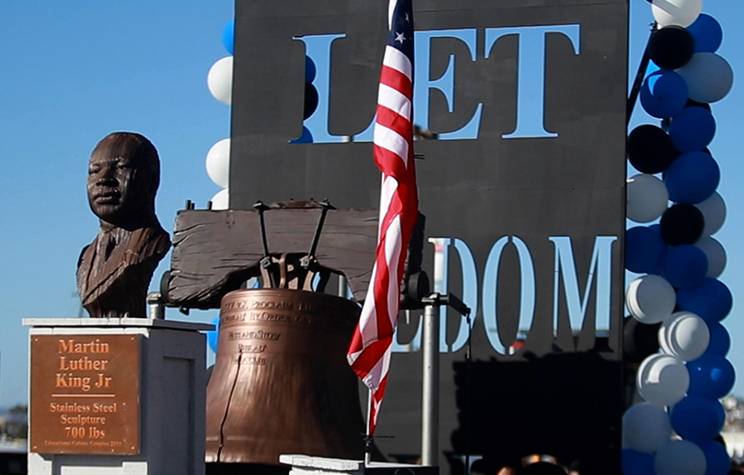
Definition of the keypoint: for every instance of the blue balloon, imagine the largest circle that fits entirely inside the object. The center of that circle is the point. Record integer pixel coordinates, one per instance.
(721, 414)
(692, 178)
(306, 136)
(684, 266)
(213, 336)
(310, 69)
(644, 250)
(720, 340)
(228, 37)
(696, 419)
(692, 129)
(711, 300)
(637, 463)
(664, 94)
(707, 34)
(717, 460)
(711, 376)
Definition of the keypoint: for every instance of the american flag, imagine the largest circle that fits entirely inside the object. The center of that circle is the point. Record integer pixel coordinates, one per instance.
(369, 351)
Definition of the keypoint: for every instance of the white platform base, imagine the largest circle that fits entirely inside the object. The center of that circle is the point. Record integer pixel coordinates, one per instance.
(173, 388)
(308, 465)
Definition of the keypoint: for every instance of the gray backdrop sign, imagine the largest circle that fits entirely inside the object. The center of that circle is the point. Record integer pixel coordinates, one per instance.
(523, 193)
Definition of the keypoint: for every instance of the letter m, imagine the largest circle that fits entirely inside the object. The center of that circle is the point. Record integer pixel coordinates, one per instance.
(600, 273)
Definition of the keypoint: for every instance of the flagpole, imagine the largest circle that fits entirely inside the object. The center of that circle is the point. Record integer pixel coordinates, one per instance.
(430, 390)
(343, 291)
(368, 437)
(398, 210)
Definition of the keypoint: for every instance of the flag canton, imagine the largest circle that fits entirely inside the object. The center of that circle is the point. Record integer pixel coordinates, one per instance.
(401, 28)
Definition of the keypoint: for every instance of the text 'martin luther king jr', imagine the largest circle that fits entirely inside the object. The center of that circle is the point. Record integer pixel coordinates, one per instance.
(114, 271)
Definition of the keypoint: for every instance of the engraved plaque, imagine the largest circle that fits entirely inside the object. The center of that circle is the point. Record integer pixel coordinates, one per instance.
(85, 394)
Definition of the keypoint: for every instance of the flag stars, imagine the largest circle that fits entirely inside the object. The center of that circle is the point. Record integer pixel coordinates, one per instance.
(400, 37)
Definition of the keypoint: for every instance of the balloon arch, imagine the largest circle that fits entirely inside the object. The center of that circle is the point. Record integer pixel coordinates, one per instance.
(219, 82)
(674, 427)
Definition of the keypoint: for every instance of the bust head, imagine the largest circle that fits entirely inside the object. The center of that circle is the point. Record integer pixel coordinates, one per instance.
(123, 176)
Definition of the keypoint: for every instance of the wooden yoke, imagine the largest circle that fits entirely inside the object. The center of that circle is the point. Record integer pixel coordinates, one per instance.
(215, 252)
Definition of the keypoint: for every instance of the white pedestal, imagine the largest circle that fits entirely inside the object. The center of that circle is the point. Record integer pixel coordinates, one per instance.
(308, 465)
(172, 398)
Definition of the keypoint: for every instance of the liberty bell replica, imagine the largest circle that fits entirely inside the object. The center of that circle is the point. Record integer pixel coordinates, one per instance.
(281, 383)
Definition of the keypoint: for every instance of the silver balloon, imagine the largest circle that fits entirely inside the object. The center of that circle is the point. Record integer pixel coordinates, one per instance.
(709, 77)
(647, 198)
(714, 213)
(685, 336)
(219, 79)
(650, 299)
(221, 200)
(676, 12)
(662, 380)
(680, 457)
(646, 428)
(218, 163)
(716, 255)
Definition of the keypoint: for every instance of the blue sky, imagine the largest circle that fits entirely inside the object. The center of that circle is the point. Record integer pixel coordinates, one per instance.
(74, 71)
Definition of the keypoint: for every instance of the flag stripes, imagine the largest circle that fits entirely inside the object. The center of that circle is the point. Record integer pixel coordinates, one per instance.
(369, 351)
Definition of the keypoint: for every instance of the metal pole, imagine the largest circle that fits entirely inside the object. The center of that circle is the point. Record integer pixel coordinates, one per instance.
(343, 287)
(155, 305)
(640, 74)
(430, 390)
(468, 406)
(368, 441)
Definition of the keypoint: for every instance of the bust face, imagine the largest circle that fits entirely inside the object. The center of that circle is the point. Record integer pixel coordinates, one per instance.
(119, 185)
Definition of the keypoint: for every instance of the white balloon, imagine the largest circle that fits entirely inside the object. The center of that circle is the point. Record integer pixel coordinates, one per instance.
(676, 12)
(685, 336)
(714, 213)
(646, 428)
(647, 198)
(650, 299)
(680, 457)
(716, 255)
(218, 163)
(709, 77)
(221, 200)
(219, 79)
(662, 379)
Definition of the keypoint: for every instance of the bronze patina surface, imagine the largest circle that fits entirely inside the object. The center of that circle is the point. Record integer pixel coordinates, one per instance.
(281, 383)
(85, 394)
(114, 270)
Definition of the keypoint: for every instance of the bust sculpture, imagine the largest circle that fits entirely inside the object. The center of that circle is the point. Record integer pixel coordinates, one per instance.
(114, 271)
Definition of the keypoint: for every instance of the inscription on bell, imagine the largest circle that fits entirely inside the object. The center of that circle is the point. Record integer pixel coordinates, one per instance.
(254, 335)
(251, 348)
(85, 394)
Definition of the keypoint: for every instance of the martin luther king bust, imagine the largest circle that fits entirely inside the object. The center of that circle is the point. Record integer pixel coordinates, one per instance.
(114, 271)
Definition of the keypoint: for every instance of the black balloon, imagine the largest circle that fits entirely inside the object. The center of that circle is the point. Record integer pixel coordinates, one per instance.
(671, 47)
(639, 339)
(311, 100)
(650, 149)
(682, 224)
